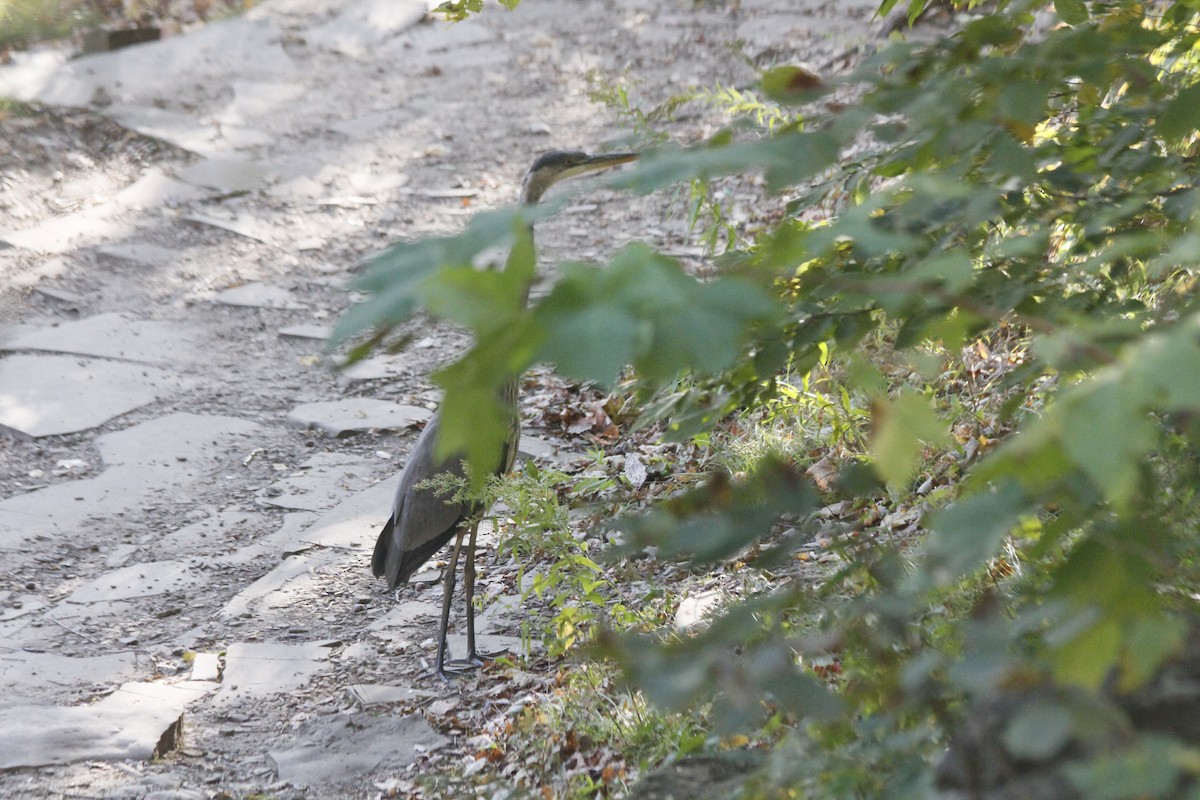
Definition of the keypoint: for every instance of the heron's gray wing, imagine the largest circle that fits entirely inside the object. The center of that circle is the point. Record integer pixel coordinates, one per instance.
(422, 520)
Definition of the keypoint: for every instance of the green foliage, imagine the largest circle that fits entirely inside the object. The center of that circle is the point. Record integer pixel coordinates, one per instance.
(458, 10)
(1039, 185)
(23, 22)
(555, 568)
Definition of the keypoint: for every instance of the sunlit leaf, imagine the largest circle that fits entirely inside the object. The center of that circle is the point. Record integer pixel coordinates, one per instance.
(970, 531)
(790, 84)
(1151, 768)
(902, 428)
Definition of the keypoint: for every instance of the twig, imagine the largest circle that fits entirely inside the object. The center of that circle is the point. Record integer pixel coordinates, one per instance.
(67, 627)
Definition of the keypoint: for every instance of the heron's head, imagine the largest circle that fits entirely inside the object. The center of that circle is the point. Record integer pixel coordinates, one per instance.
(560, 165)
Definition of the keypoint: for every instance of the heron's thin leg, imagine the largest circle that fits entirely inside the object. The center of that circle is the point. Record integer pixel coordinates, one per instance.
(474, 658)
(473, 655)
(447, 594)
(469, 591)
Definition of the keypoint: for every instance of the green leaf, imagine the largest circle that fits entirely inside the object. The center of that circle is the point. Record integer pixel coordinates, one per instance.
(790, 84)
(1085, 659)
(1168, 368)
(1151, 768)
(643, 309)
(1072, 12)
(1038, 732)
(901, 430)
(965, 535)
(1181, 116)
(396, 279)
(1107, 432)
(1149, 643)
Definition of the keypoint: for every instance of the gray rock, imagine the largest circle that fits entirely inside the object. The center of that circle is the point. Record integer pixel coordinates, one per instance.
(128, 724)
(373, 694)
(165, 454)
(356, 414)
(262, 669)
(112, 336)
(318, 332)
(29, 674)
(258, 295)
(226, 175)
(53, 395)
(322, 481)
(344, 748)
(136, 580)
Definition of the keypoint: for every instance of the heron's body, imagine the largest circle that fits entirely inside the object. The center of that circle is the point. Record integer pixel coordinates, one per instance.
(423, 521)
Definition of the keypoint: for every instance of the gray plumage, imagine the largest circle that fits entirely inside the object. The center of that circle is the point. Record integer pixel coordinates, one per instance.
(423, 521)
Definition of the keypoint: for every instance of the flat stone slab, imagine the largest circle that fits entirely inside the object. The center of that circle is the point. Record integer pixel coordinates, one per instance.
(283, 542)
(258, 295)
(90, 226)
(206, 667)
(317, 332)
(136, 580)
(147, 255)
(242, 223)
(355, 415)
(66, 233)
(364, 23)
(167, 454)
(322, 481)
(373, 368)
(344, 748)
(112, 336)
(262, 669)
(227, 175)
(355, 522)
(352, 525)
(24, 673)
(129, 724)
(53, 395)
(249, 46)
(379, 694)
(291, 581)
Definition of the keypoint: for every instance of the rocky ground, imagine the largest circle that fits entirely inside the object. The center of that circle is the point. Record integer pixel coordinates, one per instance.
(188, 493)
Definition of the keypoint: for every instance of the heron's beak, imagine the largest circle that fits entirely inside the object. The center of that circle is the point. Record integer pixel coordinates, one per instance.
(596, 163)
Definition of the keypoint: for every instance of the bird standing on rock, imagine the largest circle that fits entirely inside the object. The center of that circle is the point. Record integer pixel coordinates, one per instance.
(423, 520)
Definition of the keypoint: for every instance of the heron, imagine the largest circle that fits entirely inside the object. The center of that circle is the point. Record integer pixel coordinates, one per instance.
(423, 520)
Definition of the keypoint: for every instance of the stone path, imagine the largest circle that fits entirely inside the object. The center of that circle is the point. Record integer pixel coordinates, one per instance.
(189, 493)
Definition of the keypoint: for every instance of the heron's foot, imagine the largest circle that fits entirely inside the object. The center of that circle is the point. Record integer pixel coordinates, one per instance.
(479, 657)
(457, 667)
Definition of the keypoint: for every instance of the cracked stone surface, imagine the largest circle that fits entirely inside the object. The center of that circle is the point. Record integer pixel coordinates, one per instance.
(256, 295)
(128, 724)
(115, 336)
(258, 669)
(172, 482)
(332, 751)
(148, 461)
(356, 414)
(53, 395)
